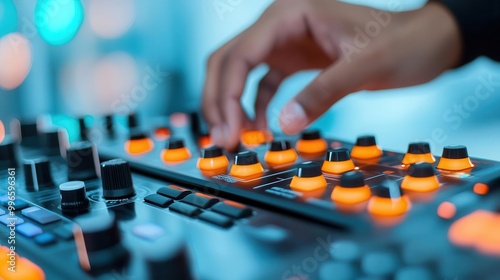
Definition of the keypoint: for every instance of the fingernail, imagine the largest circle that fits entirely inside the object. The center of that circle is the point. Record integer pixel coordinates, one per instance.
(293, 118)
(216, 136)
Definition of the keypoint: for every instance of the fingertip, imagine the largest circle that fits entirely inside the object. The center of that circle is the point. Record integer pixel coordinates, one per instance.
(293, 118)
(216, 136)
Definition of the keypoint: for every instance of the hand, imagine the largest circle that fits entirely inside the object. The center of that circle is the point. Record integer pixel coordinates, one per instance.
(356, 48)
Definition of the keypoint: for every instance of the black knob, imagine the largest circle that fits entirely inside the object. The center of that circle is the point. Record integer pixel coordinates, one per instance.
(83, 129)
(137, 135)
(352, 179)
(174, 143)
(388, 189)
(116, 179)
(8, 154)
(338, 154)
(133, 121)
(51, 142)
(419, 148)
(311, 134)
(100, 236)
(278, 146)
(73, 196)
(246, 158)
(366, 141)
(309, 169)
(29, 134)
(38, 174)
(82, 161)
(421, 170)
(212, 152)
(168, 257)
(109, 125)
(455, 152)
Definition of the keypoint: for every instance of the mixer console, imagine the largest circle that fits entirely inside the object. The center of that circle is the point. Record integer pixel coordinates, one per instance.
(137, 199)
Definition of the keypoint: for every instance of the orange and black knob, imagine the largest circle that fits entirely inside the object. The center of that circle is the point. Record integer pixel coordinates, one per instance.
(246, 165)
(280, 153)
(418, 152)
(388, 200)
(175, 151)
(337, 161)
(366, 148)
(138, 143)
(309, 178)
(213, 160)
(351, 189)
(421, 178)
(455, 158)
(311, 144)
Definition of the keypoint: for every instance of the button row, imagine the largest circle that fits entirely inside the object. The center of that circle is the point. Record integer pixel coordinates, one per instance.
(190, 204)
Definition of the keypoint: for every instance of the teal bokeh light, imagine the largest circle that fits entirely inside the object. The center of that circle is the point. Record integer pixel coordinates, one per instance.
(8, 17)
(58, 21)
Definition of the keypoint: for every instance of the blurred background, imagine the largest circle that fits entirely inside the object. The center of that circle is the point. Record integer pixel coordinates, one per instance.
(98, 57)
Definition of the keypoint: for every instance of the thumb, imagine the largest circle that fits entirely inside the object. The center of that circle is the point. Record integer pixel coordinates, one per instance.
(343, 77)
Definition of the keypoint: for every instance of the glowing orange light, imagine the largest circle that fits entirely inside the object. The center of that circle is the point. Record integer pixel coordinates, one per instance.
(350, 195)
(337, 167)
(2, 132)
(175, 155)
(415, 184)
(311, 148)
(455, 164)
(255, 137)
(16, 58)
(162, 133)
(246, 171)
(366, 152)
(139, 146)
(204, 141)
(215, 165)
(414, 158)
(478, 230)
(279, 158)
(446, 210)
(25, 269)
(481, 189)
(382, 206)
(308, 184)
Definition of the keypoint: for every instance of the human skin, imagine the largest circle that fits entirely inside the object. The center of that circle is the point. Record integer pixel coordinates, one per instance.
(294, 35)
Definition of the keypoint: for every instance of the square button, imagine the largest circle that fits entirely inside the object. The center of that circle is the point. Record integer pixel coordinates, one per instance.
(64, 232)
(39, 215)
(45, 239)
(8, 220)
(158, 200)
(28, 229)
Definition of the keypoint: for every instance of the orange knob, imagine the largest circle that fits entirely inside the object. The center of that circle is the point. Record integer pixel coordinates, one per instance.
(280, 154)
(213, 160)
(337, 161)
(138, 144)
(366, 148)
(311, 144)
(24, 268)
(255, 137)
(351, 189)
(204, 141)
(388, 200)
(175, 151)
(309, 178)
(417, 152)
(246, 166)
(420, 178)
(162, 133)
(455, 158)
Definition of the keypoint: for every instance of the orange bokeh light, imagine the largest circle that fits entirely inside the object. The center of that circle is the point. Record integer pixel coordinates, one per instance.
(15, 58)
